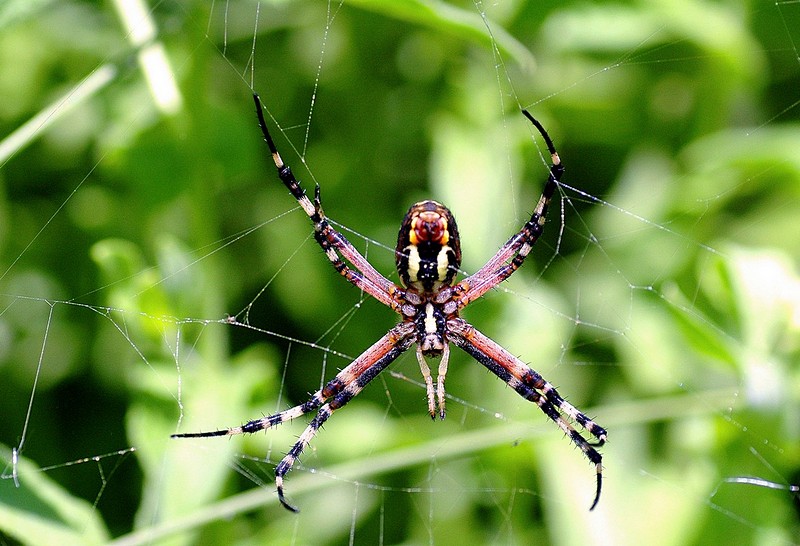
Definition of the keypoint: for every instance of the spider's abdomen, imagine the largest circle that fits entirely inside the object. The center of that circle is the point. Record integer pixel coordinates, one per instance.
(428, 248)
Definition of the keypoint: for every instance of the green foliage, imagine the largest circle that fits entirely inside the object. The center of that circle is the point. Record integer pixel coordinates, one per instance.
(156, 278)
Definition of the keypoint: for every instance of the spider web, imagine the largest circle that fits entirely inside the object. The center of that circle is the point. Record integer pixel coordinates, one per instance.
(157, 278)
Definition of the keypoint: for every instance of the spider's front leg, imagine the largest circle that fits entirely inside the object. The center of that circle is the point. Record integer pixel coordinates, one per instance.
(350, 382)
(532, 386)
(335, 394)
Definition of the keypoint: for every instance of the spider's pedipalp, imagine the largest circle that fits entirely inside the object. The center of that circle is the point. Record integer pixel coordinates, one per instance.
(435, 396)
(442, 373)
(430, 392)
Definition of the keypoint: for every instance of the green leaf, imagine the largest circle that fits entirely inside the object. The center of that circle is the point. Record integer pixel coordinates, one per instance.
(39, 511)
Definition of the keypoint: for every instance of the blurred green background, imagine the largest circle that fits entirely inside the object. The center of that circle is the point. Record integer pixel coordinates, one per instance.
(663, 299)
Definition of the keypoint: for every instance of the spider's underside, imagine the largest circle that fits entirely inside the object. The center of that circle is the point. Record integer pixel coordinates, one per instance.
(428, 256)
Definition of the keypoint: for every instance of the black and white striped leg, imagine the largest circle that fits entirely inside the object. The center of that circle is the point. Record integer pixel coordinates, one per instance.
(334, 244)
(337, 392)
(348, 392)
(512, 254)
(531, 386)
(270, 421)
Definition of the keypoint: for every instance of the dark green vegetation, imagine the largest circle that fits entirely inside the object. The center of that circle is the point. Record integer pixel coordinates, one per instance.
(663, 299)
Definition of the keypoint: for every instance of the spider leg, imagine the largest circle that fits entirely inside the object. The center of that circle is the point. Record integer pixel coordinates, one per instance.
(531, 386)
(332, 388)
(334, 244)
(337, 392)
(351, 380)
(264, 423)
(512, 254)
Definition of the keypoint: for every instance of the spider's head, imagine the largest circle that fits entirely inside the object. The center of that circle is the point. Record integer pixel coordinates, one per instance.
(428, 248)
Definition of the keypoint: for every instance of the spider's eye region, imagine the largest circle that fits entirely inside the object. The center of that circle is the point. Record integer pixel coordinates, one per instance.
(428, 248)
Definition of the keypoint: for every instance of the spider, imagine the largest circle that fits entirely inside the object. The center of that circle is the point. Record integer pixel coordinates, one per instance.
(429, 301)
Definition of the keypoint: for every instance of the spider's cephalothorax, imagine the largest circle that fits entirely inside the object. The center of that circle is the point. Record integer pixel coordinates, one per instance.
(428, 251)
(428, 257)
